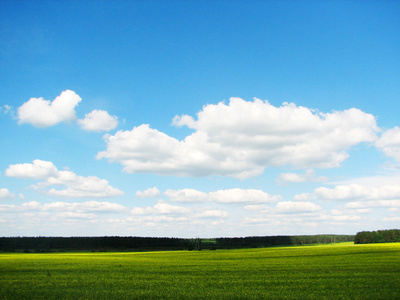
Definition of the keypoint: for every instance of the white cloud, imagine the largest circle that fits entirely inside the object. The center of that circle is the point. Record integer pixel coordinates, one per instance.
(358, 191)
(296, 207)
(5, 109)
(160, 208)
(212, 213)
(373, 181)
(284, 207)
(5, 193)
(186, 195)
(389, 143)
(74, 207)
(73, 215)
(304, 197)
(298, 178)
(343, 218)
(241, 139)
(84, 207)
(39, 169)
(165, 208)
(7, 207)
(149, 193)
(75, 185)
(98, 120)
(241, 196)
(344, 210)
(373, 204)
(44, 113)
(90, 186)
(230, 196)
(260, 208)
(392, 219)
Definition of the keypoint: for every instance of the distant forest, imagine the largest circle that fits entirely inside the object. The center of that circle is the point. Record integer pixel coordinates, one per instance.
(116, 243)
(379, 236)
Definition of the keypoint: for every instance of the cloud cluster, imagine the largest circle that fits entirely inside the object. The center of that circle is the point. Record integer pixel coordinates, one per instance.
(98, 120)
(160, 208)
(299, 178)
(285, 207)
(186, 195)
(297, 207)
(241, 139)
(389, 143)
(67, 207)
(230, 196)
(5, 193)
(357, 191)
(72, 185)
(165, 212)
(149, 193)
(360, 194)
(45, 113)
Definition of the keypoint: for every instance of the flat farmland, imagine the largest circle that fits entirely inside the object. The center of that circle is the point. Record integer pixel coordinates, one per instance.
(339, 271)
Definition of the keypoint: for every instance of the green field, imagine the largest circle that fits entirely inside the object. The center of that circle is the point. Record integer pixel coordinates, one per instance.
(341, 271)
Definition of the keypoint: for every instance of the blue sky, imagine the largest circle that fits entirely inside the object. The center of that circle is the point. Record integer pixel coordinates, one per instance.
(199, 118)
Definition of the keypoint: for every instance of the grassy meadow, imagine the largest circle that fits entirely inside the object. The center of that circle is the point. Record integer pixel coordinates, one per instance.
(339, 271)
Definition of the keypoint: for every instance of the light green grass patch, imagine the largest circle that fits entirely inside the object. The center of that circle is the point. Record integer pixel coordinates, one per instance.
(341, 271)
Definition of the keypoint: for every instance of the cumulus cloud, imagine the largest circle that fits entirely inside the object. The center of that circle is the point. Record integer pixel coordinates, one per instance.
(149, 193)
(39, 169)
(212, 213)
(373, 204)
(98, 120)
(84, 207)
(74, 207)
(298, 178)
(296, 207)
(342, 218)
(241, 196)
(160, 208)
(45, 113)
(285, 207)
(230, 196)
(5, 193)
(73, 215)
(80, 186)
(74, 185)
(389, 143)
(241, 139)
(357, 191)
(186, 195)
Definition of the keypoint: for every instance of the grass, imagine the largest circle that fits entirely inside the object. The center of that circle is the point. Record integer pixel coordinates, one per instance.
(342, 271)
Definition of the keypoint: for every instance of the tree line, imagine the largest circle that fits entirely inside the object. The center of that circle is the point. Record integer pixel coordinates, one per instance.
(378, 236)
(283, 240)
(116, 243)
(104, 243)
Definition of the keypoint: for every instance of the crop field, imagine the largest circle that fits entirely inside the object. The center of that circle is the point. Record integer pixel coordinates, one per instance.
(339, 271)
